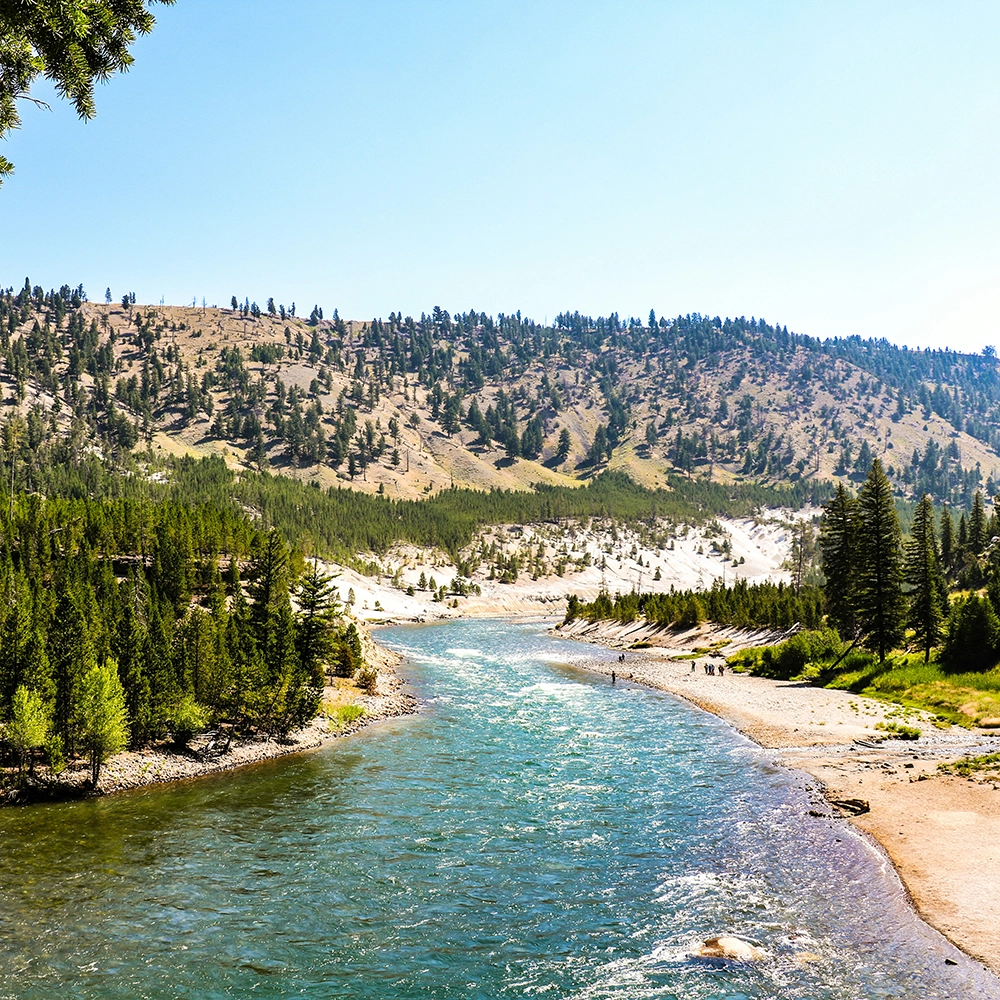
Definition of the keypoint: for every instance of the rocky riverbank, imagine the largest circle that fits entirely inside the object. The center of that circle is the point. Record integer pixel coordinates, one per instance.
(211, 754)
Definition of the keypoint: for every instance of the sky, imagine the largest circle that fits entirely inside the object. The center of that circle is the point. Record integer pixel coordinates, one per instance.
(828, 166)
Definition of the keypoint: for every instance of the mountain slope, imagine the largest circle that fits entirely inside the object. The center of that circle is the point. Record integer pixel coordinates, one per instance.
(410, 406)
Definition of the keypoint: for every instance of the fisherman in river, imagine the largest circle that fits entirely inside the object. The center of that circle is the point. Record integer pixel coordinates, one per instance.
(612, 677)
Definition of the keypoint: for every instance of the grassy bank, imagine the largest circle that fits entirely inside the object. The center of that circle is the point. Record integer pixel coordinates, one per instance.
(964, 698)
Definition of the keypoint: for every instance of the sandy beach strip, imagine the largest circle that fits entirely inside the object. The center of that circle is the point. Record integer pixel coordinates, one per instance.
(942, 833)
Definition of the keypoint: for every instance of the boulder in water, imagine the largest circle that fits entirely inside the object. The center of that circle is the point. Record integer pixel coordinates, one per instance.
(732, 948)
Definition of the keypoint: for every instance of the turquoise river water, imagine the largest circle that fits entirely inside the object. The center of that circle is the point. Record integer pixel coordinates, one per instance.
(533, 831)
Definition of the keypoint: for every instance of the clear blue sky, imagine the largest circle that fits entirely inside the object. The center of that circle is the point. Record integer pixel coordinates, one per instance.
(833, 167)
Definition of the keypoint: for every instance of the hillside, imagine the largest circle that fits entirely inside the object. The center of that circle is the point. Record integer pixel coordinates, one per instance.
(408, 407)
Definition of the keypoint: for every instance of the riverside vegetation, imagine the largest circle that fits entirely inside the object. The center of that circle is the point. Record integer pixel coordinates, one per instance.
(915, 623)
(153, 590)
(151, 600)
(126, 620)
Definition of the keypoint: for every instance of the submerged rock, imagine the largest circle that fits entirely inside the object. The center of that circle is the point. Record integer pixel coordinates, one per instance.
(732, 948)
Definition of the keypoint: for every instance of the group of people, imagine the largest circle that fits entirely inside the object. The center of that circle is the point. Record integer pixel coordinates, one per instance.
(712, 670)
(614, 675)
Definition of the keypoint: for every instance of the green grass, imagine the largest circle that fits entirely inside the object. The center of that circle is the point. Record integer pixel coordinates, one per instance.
(967, 766)
(899, 731)
(964, 699)
(967, 699)
(344, 715)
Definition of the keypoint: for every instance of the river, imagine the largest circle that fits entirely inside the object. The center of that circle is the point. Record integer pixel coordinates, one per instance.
(533, 831)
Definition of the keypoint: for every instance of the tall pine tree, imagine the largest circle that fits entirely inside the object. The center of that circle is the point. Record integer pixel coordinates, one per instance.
(977, 524)
(947, 540)
(880, 604)
(928, 592)
(839, 530)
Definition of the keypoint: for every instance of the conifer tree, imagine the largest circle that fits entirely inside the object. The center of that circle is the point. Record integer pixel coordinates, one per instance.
(928, 596)
(562, 450)
(947, 540)
(70, 649)
(159, 667)
(132, 655)
(245, 697)
(314, 633)
(880, 604)
(839, 541)
(977, 525)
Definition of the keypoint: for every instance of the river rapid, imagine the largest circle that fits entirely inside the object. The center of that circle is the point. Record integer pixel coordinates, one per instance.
(533, 831)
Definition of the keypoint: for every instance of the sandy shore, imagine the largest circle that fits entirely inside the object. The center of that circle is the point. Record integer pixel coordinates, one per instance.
(942, 833)
(152, 765)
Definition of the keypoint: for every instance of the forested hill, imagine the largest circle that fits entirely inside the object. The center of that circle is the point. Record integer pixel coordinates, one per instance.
(409, 406)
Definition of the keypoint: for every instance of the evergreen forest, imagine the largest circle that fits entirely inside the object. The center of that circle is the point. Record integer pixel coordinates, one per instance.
(169, 475)
(416, 405)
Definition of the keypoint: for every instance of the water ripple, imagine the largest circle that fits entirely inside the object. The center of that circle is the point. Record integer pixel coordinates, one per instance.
(533, 832)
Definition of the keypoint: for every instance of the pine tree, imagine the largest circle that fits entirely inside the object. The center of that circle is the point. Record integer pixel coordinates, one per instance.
(651, 435)
(977, 524)
(595, 455)
(880, 604)
(268, 579)
(132, 655)
(839, 542)
(928, 597)
(562, 450)
(245, 696)
(70, 642)
(947, 540)
(314, 634)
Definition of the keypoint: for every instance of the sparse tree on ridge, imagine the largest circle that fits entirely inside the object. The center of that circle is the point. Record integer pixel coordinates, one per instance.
(562, 449)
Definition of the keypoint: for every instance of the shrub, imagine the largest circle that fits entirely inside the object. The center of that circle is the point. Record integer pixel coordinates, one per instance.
(973, 634)
(896, 730)
(367, 678)
(189, 719)
(789, 658)
(746, 660)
